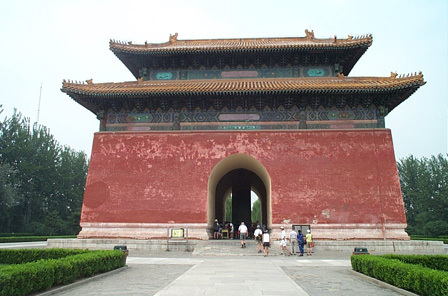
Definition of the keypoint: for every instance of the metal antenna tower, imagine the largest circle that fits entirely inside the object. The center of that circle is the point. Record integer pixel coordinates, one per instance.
(38, 106)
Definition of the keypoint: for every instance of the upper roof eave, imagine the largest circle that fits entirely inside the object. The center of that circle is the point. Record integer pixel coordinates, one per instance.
(87, 93)
(175, 46)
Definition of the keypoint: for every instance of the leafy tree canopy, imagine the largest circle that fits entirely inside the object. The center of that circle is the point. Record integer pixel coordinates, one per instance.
(41, 182)
(424, 185)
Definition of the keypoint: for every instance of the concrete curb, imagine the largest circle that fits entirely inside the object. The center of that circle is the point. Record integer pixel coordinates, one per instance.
(80, 282)
(382, 284)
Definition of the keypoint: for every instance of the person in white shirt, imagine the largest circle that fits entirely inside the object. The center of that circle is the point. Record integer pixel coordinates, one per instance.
(258, 238)
(293, 240)
(283, 242)
(243, 234)
(266, 243)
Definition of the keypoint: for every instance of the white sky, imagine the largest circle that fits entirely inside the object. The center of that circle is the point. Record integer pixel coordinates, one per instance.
(48, 41)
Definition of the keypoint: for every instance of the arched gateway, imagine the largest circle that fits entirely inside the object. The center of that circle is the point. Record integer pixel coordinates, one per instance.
(238, 174)
(277, 116)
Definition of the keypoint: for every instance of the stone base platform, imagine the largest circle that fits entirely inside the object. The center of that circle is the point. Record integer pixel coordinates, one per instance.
(383, 246)
(222, 246)
(154, 245)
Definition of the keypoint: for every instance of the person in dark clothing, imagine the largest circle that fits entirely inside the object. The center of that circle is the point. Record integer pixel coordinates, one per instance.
(301, 242)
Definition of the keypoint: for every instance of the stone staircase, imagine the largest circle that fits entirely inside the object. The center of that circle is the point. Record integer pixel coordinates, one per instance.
(225, 247)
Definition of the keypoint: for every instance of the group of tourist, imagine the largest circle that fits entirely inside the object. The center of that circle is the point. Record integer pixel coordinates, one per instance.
(297, 240)
(262, 238)
(218, 229)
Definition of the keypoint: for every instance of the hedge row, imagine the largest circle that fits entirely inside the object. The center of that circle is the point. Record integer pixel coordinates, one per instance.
(425, 236)
(442, 238)
(32, 277)
(438, 262)
(18, 256)
(414, 278)
(15, 234)
(18, 239)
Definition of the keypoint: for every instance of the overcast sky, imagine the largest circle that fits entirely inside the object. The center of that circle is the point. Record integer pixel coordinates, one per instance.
(44, 42)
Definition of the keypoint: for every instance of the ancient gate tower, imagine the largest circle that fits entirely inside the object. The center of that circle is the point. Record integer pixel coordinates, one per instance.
(277, 116)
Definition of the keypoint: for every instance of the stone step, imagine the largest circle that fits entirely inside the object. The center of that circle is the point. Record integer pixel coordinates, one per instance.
(225, 248)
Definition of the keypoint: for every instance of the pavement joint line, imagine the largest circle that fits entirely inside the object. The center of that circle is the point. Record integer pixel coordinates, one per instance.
(167, 287)
(80, 282)
(299, 288)
(171, 288)
(382, 284)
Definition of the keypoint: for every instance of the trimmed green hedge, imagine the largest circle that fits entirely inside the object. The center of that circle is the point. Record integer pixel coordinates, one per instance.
(19, 256)
(411, 277)
(15, 234)
(438, 262)
(442, 238)
(31, 277)
(19, 239)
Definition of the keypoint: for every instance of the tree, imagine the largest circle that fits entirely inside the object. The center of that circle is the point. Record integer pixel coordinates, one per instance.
(53, 222)
(38, 177)
(9, 195)
(229, 208)
(73, 221)
(424, 185)
(256, 211)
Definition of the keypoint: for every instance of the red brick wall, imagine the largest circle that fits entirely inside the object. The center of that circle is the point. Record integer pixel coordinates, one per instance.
(327, 176)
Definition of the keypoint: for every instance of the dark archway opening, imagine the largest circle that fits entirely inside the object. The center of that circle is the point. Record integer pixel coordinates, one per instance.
(240, 183)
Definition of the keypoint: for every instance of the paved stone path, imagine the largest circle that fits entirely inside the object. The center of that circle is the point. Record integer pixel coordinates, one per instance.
(276, 275)
(24, 245)
(333, 280)
(137, 279)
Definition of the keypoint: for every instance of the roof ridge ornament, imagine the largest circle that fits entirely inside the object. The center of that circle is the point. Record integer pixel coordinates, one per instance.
(89, 81)
(309, 35)
(414, 76)
(410, 75)
(340, 75)
(173, 38)
(393, 75)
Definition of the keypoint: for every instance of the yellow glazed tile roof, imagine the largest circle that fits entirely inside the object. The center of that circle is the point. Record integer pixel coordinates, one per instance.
(308, 42)
(228, 86)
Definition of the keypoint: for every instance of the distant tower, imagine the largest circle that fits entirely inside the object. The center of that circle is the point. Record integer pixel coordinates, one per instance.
(38, 106)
